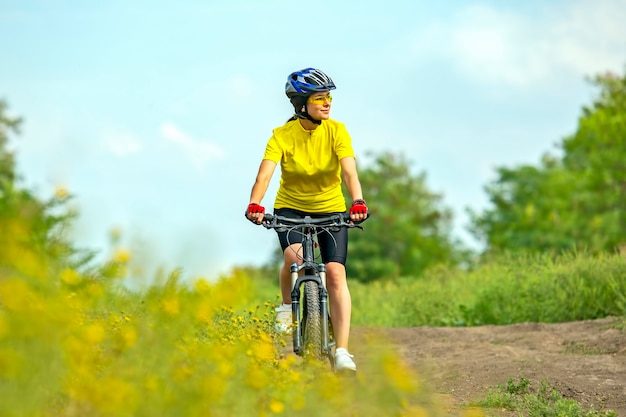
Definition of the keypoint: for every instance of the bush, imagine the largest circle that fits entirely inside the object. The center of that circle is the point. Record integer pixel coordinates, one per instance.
(503, 290)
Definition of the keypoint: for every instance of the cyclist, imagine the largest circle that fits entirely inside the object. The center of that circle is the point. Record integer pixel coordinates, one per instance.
(315, 153)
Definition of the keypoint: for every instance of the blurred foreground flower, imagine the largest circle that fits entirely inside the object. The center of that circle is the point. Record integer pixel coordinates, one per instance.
(121, 256)
(61, 193)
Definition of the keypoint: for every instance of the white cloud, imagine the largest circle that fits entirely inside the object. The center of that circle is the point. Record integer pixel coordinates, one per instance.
(199, 152)
(122, 144)
(491, 45)
(592, 35)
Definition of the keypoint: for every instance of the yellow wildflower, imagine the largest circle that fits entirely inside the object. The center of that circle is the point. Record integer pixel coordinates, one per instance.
(398, 374)
(202, 286)
(171, 306)
(94, 333)
(121, 256)
(276, 407)
(70, 276)
(17, 295)
(129, 336)
(61, 192)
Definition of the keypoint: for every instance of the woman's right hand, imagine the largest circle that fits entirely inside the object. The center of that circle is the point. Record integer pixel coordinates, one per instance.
(255, 213)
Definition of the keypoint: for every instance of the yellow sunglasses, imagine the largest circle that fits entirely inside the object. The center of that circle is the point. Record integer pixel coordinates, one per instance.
(321, 99)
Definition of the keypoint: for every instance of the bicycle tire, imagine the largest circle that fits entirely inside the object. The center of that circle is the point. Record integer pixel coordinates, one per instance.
(312, 322)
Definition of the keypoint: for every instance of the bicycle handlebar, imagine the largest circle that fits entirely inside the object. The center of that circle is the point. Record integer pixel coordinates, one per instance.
(271, 221)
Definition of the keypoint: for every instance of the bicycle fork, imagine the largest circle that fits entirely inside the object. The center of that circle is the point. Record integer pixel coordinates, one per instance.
(296, 283)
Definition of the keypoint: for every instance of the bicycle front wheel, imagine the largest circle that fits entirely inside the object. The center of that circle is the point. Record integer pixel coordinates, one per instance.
(312, 321)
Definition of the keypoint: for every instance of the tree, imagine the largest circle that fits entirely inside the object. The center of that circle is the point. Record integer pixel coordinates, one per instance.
(29, 225)
(7, 163)
(596, 154)
(577, 201)
(409, 229)
(529, 205)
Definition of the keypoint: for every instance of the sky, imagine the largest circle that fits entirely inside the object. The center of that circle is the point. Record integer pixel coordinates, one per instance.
(155, 114)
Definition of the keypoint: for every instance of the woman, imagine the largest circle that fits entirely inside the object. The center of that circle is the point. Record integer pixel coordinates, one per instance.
(315, 153)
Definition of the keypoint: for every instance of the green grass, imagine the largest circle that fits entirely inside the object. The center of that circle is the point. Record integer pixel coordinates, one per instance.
(505, 290)
(574, 348)
(619, 324)
(545, 401)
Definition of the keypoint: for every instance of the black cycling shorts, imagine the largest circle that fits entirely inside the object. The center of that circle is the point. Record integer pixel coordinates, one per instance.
(333, 245)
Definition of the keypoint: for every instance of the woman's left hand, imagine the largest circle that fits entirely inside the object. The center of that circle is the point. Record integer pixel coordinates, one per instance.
(358, 211)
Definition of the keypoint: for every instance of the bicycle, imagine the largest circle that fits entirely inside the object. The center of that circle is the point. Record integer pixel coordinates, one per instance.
(312, 327)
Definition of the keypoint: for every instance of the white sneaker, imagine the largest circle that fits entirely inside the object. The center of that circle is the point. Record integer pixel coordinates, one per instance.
(283, 319)
(343, 360)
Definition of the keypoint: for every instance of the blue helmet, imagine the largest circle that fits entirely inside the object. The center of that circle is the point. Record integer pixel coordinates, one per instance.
(306, 82)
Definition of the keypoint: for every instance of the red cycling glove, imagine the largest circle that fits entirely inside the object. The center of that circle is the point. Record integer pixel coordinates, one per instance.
(358, 207)
(255, 208)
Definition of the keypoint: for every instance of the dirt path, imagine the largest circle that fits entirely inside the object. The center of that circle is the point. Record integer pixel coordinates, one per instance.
(585, 361)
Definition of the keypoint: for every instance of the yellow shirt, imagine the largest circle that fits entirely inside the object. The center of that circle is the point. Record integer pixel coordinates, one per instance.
(309, 161)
